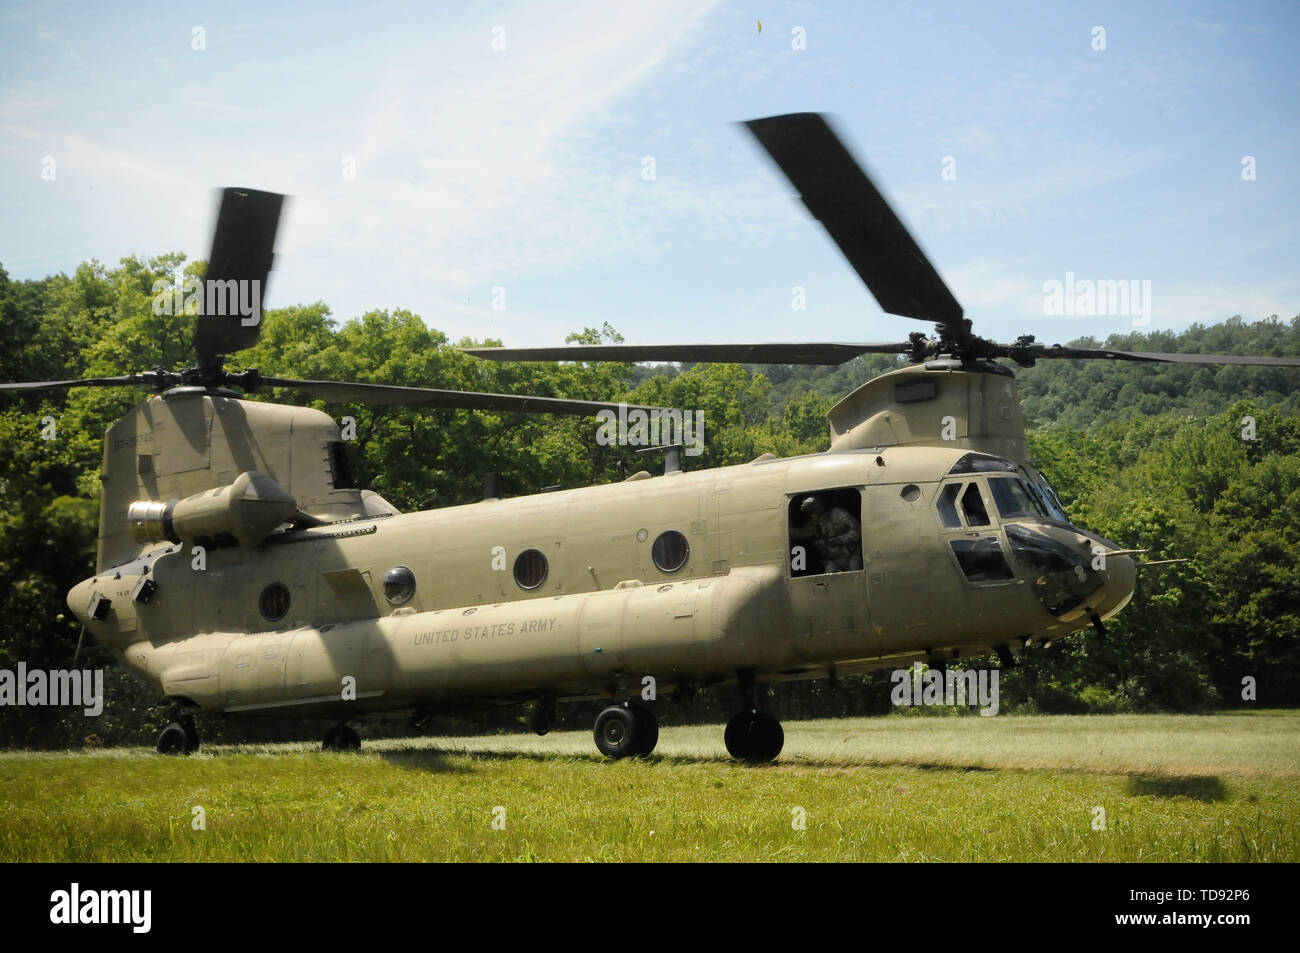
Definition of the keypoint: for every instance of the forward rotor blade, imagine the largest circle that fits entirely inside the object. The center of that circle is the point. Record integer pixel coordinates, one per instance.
(386, 394)
(839, 194)
(243, 247)
(813, 353)
(1081, 353)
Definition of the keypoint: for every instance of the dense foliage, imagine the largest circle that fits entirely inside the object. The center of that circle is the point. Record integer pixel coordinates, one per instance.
(1152, 457)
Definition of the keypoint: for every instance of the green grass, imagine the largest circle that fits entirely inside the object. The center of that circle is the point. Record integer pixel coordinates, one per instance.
(1174, 788)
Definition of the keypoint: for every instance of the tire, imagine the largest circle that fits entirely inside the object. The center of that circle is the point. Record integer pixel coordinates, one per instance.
(191, 734)
(341, 738)
(618, 732)
(754, 737)
(649, 729)
(772, 737)
(173, 740)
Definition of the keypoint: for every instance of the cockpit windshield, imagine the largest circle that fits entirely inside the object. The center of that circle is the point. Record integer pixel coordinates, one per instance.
(1027, 495)
(1046, 496)
(1014, 499)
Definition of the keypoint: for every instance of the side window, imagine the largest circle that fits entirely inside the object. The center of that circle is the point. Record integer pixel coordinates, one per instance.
(825, 532)
(948, 506)
(972, 504)
(982, 559)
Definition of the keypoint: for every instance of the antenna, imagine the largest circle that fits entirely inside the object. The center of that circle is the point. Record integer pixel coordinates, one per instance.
(672, 456)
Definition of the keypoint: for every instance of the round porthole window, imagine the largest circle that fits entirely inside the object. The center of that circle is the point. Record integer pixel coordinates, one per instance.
(530, 569)
(274, 602)
(911, 492)
(399, 585)
(670, 551)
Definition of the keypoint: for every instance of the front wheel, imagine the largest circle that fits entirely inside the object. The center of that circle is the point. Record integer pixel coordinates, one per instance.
(754, 737)
(618, 732)
(649, 726)
(341, 738)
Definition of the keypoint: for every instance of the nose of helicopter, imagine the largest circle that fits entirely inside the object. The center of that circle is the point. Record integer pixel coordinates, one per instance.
(1119, 579)
(1076, 574)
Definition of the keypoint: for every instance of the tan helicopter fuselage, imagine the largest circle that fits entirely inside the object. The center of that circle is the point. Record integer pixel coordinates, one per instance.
(301, 622)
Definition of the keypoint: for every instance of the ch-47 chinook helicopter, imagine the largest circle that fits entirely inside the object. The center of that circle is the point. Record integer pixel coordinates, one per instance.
(319, 599)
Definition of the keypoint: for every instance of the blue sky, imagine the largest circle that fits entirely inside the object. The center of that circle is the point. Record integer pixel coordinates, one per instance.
(522, 168)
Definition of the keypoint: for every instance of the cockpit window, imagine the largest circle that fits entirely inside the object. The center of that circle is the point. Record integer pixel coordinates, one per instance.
(982, 463)
(1053, 503)
(1014, 500)
(981, 559)
(948, 506)
(972, 504)
(1046, 496)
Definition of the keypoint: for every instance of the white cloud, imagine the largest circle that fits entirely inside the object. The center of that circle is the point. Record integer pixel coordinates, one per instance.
(471, 165)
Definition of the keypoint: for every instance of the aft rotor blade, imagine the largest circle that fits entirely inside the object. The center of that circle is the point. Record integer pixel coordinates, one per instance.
(813, 353)
(132, 380)
(243, 247)
(386, 394)
(1156, 357)
(843, 198)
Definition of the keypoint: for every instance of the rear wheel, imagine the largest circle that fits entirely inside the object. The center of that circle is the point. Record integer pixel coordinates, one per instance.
(191, 733)
(172, 740)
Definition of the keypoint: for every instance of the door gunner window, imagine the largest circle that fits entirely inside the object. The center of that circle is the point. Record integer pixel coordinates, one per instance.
(825, 532)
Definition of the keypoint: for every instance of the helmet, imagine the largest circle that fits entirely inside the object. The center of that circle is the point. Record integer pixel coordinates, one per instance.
(812, 506)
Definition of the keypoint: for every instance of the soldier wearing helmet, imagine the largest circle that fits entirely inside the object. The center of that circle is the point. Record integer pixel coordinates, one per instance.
(835, 533)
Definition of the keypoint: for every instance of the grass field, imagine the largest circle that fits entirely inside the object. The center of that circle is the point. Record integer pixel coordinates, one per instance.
(1217, 787)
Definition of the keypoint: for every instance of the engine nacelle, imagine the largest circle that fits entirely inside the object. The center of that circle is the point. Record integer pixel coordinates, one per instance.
(244, 512)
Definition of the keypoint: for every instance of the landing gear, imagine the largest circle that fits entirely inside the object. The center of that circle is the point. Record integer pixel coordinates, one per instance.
(543, 715)
(622, 731)
(755, 737)
(649, 727)
(341, 738)
(180, 737)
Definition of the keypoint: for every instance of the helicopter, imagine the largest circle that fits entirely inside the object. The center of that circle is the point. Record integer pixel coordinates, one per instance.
(241, 571)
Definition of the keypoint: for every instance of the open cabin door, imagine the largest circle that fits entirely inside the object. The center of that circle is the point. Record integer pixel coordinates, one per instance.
(824, 562)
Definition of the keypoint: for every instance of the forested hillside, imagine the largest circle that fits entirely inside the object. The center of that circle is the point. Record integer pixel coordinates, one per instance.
(1149, 456)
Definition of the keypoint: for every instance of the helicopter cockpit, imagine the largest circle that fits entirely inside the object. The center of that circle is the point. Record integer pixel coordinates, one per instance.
(1025, 494)
(1064, 565)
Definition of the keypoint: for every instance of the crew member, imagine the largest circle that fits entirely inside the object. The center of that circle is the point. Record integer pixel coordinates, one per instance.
(837, 533)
